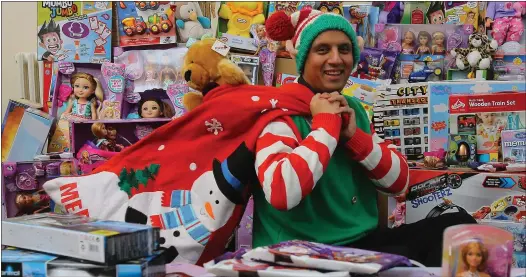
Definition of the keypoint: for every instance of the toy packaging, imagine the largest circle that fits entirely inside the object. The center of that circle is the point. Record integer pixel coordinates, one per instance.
(249, 65)
(13, 116)
(375, 64)
(412, 68)
(514, 146)
(80, 237)
(461, 150)
(145, 23)
(401, 116)
(476, 250)
(317, 256)
(415, 13)
(74, 31)
(283, 78)
(38, 264)
(439, 93)
(390, 12)
(363, 18)
(509, 67)
(365, 91)
(421, 39)
(244, 231)
(25, 140)
(95, 142)
(236, 20)
(488, 115)
(519, 239)
(492, 196)
(22, 184)
(462, 13)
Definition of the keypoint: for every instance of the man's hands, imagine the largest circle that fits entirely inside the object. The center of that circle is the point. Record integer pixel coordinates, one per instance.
(338, 105)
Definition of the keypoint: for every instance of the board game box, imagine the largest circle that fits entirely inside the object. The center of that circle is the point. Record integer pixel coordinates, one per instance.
(80, 237)
(74, 31)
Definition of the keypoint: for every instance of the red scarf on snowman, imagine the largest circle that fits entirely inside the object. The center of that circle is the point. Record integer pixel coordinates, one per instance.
(174, 156)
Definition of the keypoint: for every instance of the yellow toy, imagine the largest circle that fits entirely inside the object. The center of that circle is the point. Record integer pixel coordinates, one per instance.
(204, 69)
(242, 15)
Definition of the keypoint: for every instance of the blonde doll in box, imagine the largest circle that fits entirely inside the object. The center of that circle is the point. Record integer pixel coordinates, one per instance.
(489, 128)
(86, 91)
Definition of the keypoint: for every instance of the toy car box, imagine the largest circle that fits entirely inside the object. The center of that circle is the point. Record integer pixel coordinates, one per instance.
(18, 262)
(25, 140)
(74, 31)
(495, 196)
(80, 237)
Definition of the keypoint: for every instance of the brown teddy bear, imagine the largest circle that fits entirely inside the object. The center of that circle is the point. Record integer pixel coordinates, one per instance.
(205, 69)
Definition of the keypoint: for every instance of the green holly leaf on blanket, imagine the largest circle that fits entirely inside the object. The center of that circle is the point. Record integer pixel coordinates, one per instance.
(133, 178)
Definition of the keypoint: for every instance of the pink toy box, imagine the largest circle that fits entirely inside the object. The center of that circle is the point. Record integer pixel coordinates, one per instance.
(244, 231)
(22, 182)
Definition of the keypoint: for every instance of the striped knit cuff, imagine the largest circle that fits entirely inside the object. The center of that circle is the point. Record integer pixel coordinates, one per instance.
(360, 145)
(332, 123)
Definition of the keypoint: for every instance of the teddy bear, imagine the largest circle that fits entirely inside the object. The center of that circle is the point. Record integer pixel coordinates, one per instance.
(477, 55)
(205, 69)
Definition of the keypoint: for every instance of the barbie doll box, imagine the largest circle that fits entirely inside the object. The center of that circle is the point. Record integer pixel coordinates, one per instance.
(18, 262)
(519, 239)
(491, 196)
(439, 92)
(24, 141)
(80, 237)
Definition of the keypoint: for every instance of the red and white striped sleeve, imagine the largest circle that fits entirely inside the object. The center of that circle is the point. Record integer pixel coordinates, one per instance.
(387, 168)
(287, 169)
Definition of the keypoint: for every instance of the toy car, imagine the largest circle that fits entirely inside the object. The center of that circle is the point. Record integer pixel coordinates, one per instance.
(133, 25)
(159, 22)
(145, 5)
(422, 75)
(466, 121)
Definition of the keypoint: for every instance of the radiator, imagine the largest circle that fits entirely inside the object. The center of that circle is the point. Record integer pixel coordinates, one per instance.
(30, 72)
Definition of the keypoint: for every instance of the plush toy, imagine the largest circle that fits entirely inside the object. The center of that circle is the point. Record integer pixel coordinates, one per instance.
(477, 55)
(190, 21)
(205, 69)
(505, 19)
(242, 15)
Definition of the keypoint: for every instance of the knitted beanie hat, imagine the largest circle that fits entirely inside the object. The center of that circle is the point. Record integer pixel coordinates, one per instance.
(302, 27)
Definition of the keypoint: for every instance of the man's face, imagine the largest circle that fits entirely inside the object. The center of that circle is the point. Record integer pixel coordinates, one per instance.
(52, 42)
(329, 62)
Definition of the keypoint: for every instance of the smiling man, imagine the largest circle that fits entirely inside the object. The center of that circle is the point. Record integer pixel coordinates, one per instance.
(320, 175)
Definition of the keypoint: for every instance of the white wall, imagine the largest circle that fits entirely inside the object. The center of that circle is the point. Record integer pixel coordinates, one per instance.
(19, 34)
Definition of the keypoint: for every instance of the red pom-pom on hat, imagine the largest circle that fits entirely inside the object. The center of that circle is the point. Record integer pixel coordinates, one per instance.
(279, 27)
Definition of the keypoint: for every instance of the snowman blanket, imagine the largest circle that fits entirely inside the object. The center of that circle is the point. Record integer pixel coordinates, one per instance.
(189, 177)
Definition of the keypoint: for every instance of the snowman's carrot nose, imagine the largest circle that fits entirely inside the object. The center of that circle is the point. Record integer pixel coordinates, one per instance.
(209, 210)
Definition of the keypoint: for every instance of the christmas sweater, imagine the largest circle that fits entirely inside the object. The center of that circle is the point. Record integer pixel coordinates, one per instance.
(190, 176)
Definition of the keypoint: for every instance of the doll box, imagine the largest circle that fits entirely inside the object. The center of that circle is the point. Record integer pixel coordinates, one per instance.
(29, 263)
(415, 12)
(439, 93)
(401, 116)
(244, 230)
(460, 12)
(146, 23)
(495, 196)
(22, 184)
(74, 31)
(80, 237)
(519, 239)
(28, 139)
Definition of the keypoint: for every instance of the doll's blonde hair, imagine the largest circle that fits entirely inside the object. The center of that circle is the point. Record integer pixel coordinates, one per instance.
(438, 34)
(96, 129)
(94, 83)
(483, 251)
(66, 168)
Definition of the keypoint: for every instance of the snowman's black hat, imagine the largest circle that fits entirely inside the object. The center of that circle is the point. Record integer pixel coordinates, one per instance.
(235, 173)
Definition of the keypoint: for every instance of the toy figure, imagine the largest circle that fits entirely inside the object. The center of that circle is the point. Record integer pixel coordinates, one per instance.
(398, 214)
(49, 36)
(86, 90)
(266, 51)
(85, 158)
(66, 168)
(507, 20)
(28, 203)
(489, 129)
(168, 77)
(151, 77)
(100, 132)
(112, 140)
(474, 255)
(408, 45)
(151, 108)
(438, 44)
(435, 13)
(423, 40)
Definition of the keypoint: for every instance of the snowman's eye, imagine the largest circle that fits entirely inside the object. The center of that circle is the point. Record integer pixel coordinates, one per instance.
(210, 192)
(217, 201)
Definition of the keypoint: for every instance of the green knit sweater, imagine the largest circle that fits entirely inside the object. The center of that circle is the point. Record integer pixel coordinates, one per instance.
(341, 209)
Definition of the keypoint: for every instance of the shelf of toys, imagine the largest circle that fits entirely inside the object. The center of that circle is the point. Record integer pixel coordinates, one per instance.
(442, 81)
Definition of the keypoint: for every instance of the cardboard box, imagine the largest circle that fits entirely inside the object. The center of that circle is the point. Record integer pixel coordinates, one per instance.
(439, 93)
(18, 262)
(519, 239)
(25, 141)
(82, 31)
(495, 196)
(80, 237)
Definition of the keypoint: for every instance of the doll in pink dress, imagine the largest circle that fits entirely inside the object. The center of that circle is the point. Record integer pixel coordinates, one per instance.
(398, 214)
(507, 20)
